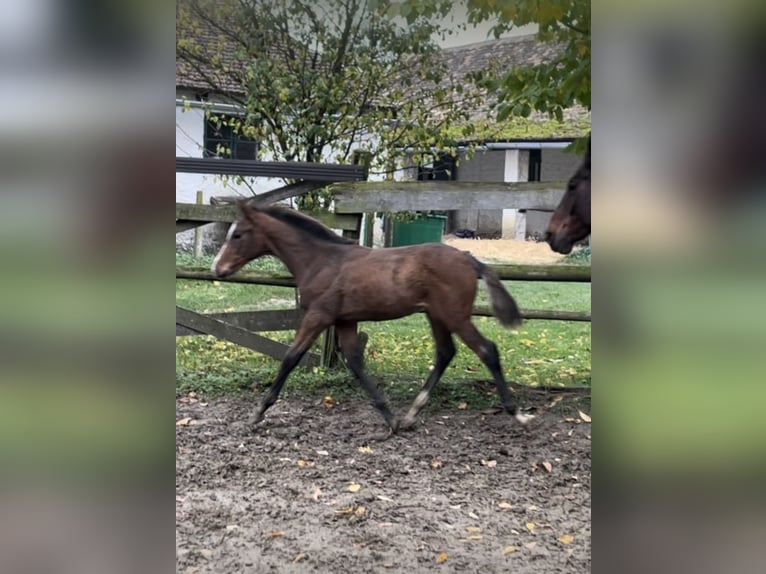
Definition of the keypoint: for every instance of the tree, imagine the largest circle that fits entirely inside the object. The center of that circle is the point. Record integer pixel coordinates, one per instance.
(318, 80)
(548, 87)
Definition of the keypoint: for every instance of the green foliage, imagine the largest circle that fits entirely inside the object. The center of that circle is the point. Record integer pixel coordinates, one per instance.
(319, 80)
(579, 256)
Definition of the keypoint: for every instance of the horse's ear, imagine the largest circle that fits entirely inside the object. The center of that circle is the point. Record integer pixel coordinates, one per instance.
(247, 207)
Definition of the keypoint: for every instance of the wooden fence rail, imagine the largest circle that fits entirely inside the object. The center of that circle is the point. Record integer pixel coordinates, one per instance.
(353, 198)
(573, 273)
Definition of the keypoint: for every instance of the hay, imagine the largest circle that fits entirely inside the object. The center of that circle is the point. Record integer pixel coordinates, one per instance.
(507, 250)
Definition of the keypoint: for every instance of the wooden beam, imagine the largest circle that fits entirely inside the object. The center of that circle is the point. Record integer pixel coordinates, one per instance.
(396, 196)
(187, 212)
(205, 324)
(545, 314)
(256, 321)
(254, 277)
(574, 273)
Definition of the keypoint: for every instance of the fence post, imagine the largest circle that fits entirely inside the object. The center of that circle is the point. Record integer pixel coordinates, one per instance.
(198, 230)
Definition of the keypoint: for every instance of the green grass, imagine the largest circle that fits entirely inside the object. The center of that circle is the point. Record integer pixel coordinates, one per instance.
(399, 353)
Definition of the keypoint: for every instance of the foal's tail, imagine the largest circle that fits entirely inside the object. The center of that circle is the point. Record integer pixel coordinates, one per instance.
(503, 305)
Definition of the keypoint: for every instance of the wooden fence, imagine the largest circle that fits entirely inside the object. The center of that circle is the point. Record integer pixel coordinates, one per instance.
(353, 199)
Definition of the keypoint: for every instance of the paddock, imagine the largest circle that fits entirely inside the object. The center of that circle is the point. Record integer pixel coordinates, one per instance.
(313, 490)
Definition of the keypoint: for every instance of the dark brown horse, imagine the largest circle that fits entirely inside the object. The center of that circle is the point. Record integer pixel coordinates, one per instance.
(570, 222)
(341, 283)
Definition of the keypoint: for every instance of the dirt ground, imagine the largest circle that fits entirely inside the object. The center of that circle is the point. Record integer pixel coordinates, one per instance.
(466, 491)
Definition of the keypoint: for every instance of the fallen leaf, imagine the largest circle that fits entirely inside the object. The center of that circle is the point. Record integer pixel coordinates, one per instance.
(353, 487)
(388, 564)
(298, 557)
(530, 545)
(462, 406)
(505, 505)
(360, 510)
(476, 537)
(531, 527)
(328, 402)
(473, 529)
(232, 527)
(276, 533)
(365, 449)
(566, 539)
(183, 422)
(442, 557)
(509, 550)
(206, 553)
(348, 510)
(555, 400)
(548, 466)
(489, 463)
(583, 416)
(386, 498)
(436, 463)
(303, 463)
(323, 453)
(316, 494)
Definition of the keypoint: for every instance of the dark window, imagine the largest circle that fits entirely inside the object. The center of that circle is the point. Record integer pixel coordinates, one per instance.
(535, 164)
(223, 138)
(442, 168)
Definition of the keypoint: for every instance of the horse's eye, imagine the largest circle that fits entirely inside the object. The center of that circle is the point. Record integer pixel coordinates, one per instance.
(236, 235)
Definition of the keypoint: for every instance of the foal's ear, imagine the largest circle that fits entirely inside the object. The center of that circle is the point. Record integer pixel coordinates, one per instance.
(247, 207)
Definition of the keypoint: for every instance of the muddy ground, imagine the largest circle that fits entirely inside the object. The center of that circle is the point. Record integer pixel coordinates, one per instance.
(466, 491)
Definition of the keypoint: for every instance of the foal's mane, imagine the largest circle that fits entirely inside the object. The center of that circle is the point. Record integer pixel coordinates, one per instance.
(305, 224)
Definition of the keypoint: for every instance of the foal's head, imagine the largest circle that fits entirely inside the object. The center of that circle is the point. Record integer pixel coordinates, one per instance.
(570, 222)
(243, 243)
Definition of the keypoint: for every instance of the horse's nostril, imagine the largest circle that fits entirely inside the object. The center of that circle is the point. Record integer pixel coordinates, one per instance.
(548, 236)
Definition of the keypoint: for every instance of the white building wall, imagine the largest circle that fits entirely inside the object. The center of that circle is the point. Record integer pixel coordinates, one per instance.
(190, 137)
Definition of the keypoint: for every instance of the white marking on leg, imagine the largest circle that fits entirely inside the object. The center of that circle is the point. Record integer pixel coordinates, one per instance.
(232, 227)
(523, 419)
(417, 404)
(420, 400)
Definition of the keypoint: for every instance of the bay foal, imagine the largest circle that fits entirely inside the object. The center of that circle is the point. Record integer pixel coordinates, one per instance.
(341, 283)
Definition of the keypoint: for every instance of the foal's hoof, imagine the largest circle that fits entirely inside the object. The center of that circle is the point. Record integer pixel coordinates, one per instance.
(254, 422)
(407, 424)
(524, 419)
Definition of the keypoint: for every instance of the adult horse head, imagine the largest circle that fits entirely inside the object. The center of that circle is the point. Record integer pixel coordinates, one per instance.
(570, 222)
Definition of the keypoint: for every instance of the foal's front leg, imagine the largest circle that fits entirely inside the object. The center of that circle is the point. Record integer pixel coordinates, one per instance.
(311, 326)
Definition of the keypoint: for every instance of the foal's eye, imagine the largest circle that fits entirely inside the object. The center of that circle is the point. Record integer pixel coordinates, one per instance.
(236, 235)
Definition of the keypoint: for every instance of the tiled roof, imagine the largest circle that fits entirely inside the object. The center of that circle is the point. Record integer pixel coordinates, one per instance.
(508, 53)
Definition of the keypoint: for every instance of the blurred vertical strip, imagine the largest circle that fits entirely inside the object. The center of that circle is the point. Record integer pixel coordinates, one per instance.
(86, 299)
(679, 202)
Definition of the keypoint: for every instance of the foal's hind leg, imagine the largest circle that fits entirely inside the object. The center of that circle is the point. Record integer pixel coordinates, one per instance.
(311, 326)
(349, 344)
(486, 350)
(445, 351)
